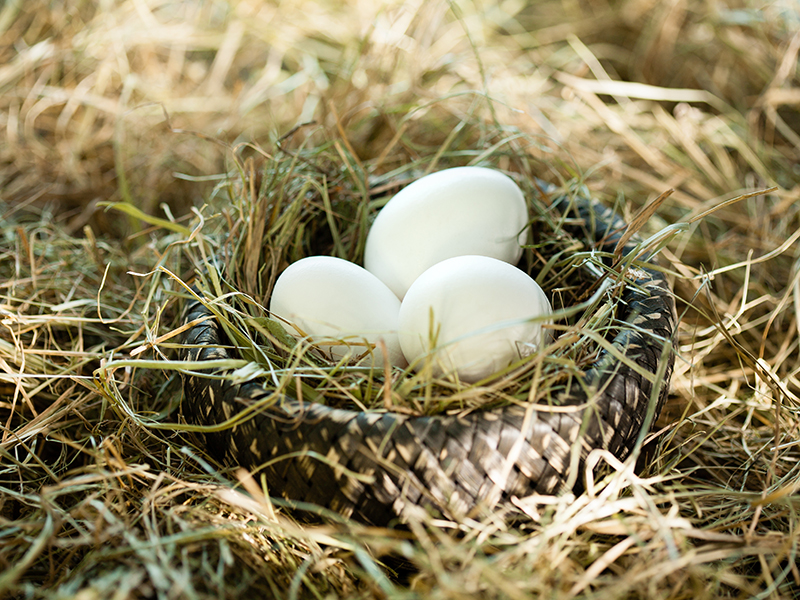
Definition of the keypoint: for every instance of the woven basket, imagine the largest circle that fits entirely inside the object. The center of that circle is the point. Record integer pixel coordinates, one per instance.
(378, 467)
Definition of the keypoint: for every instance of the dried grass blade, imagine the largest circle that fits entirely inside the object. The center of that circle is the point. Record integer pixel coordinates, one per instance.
(639, 219)
(730, 201)
(600, 565)
(132, 211)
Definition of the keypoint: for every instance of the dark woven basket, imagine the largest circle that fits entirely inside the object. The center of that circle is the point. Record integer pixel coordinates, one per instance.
(456, 466)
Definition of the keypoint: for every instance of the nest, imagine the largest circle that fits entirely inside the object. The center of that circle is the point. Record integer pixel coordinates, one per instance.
(381, 445)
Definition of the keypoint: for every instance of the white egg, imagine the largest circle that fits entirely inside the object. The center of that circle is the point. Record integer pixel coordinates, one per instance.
(342, 307)
(454, 212)
(472, 316)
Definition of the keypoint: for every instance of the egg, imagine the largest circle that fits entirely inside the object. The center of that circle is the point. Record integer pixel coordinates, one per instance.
(343, 308)
(472, 316)
(454, 212)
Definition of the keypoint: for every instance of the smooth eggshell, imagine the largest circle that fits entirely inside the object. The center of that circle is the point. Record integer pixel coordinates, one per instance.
(327, 297)
(478, 311)
(454, 212)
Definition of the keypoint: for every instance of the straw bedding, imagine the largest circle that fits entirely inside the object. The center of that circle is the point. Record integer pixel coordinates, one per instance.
(177, 111)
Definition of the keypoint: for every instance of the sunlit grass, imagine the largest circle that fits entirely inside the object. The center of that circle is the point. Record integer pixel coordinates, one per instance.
(187, 112)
